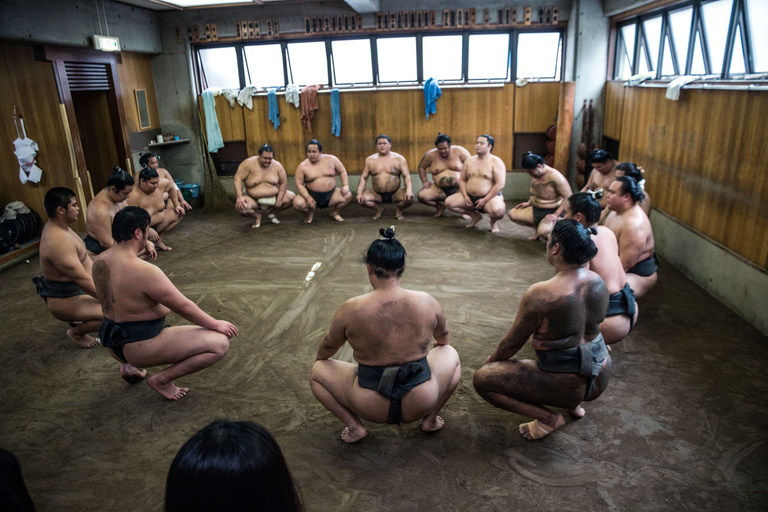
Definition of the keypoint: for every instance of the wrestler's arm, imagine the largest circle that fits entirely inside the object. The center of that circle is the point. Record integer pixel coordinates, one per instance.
(423, 166)
(342, 172)
(589, 182)
(564, 189)
(463, 154)
(463, 178)
(442, 334)
(67, 261)
(499, 173)
(335, 337)
(240, 176)
(282, 184)
(407, 177)
(100, 224)
(159, 288)
(528, 320)
(168, 187)
(179, 195)
(630, 245)
(363, 180)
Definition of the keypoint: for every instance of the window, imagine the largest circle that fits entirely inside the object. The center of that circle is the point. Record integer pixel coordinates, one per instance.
(307, 63)
(351, 60)
(441, 57)
(219, 68)
(488, 57)
(397, 59)
(724, 38)
(264, 66)
(538, 55)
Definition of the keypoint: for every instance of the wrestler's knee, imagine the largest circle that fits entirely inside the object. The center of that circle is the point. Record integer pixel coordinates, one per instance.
(481, 380)
(219, 345)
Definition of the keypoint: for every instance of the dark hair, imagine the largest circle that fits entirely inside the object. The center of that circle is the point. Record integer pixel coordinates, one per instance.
(55, 197)
(233, 466)
(441, 137)
(316, 143)
(532, 161)
(13, 491)
(127, 221)
(491, 142)
(599, 155)
(144, 159)
(630, 186)
(630, 169)
(575, 241)
(266, 148)
(386, 255)
(586, 203)
(382, 136)
(147, 173)
(119, 179)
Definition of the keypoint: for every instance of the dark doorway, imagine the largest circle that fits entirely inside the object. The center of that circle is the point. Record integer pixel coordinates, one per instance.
(97, 136)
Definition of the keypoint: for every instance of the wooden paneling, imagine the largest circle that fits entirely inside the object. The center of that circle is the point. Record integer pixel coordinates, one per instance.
(30, 84)
(536, 106)
(135, 72)
(96, 135)
(706, 158)
(564, 126)
(231, 120)
(614, 108)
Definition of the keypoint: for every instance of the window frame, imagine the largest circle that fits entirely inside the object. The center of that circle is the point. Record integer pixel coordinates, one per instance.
(511, 67)
(739, 20)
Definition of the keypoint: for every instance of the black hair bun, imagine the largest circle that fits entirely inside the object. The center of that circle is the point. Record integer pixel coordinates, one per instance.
(598, 194)
(592, 230)
(388, 233)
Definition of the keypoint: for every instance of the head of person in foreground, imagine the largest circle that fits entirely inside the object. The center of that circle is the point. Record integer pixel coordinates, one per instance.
(233, 466)
(385, 258)
(570, 245)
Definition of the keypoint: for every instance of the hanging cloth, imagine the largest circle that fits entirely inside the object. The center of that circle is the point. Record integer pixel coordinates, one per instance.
(274, 112)
(308, 105)
(212, 129)
(335, 113)
(431, 93)
(245, 98)
(292, 95)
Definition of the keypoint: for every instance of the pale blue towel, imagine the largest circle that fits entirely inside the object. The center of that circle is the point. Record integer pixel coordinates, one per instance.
(212, 129)
(274, 113)
(431, 93)
(335, 113)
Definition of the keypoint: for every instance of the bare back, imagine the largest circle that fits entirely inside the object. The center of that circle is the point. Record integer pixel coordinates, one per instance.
(121, 278)
(634, 235)
(571, 306)
(607, 263)
(101, 211)
(60, 250)
(390, 327)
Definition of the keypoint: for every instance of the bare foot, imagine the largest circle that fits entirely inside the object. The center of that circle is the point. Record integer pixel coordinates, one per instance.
(534, 237)
(131, 374)
(257, 220)
(337, 217)
(160, 246)
(310, 216)
(495, 227)
(537, 429)
(465, 216)
(353, 436)
(399, 215)
(378, 214)
(474, 219)
(84, 341)
(168, 391)
(440, 210)
(577, 412)
(273, 219)
(432, 425)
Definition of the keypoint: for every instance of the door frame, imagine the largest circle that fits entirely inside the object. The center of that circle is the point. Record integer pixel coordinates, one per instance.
(58, 55)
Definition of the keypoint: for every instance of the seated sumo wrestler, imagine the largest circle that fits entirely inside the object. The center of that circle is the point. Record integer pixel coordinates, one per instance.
(135, 298)
(233, 466)
(563, 317)
(397, 378)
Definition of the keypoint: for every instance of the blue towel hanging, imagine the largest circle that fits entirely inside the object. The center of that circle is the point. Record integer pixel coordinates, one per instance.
(335, 113)
(274, 112)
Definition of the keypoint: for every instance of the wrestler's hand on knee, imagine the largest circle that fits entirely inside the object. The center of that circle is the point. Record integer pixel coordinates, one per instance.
(360, 198)
(153, 236)
(426, 184)
(151, 251)
(468, 202)
(241, 204)
(522, 205)
(225, 328)
(551, 218)
(312, 203)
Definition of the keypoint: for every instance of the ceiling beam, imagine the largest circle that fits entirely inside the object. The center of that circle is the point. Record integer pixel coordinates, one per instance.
(362, 6)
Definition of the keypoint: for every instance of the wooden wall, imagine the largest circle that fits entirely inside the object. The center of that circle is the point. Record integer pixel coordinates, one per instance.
(135, 72)
(30, 85)
(614, 108)
(461, 113)
(706, 159)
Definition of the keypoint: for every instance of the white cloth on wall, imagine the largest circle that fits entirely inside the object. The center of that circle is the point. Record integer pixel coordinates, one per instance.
(673, 89)
(231, 96)
(640, 78)
(245, 98)
(292, 95)
(26, 150)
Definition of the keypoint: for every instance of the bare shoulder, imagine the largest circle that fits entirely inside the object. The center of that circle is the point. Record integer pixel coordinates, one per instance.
(332, 158)
(498, 161)
(606, 232)
(461, 151)
(278, 165)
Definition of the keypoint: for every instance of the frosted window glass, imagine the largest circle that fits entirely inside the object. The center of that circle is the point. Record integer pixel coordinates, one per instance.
(737, 58)
(352, 61)
(397, 59)
(488, 56)
(667, 65)
(757, 17)
(220, 67)
(716, 17)
(537, 55)
(308, 63)
(628, 35)
(652, 29)
(441, 57)
(697, 68)
(680, 24)
(264, 66)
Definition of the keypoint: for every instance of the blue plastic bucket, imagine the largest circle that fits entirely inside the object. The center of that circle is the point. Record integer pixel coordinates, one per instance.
(194, 189)
(179, 183)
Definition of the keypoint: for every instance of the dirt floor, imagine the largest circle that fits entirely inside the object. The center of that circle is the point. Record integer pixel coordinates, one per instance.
(682, 425)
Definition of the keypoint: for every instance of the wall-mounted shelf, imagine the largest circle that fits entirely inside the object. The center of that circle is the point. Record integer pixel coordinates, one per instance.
(168, 143)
